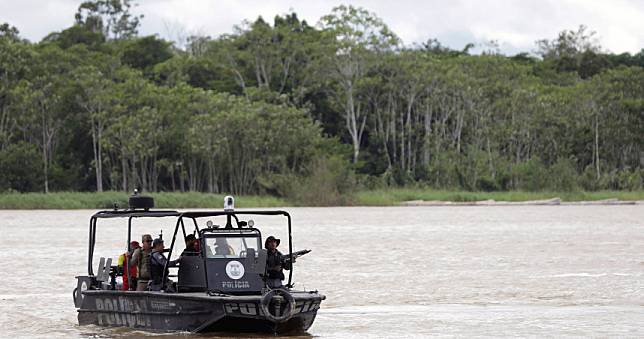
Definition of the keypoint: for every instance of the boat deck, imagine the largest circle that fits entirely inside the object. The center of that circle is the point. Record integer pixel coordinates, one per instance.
(201, 296)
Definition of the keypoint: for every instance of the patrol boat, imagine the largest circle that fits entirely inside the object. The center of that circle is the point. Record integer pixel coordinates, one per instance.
(214, 292)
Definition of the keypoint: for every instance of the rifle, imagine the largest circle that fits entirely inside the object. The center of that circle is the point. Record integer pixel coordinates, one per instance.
(287, 259)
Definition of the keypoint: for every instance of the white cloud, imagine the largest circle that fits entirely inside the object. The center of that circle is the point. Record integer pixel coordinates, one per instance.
(35, 19)
(515, 25)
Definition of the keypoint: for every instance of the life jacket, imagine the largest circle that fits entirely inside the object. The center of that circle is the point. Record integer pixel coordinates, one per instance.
(123, 265)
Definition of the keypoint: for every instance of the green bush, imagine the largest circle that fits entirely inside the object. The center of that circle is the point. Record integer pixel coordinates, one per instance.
(371, 182)
(588, 179)
(630, 180)
(329, 182)
(487, 184)
(563, 176)
(21, 167)
(530, 175)
(503, 175)
(442, 170)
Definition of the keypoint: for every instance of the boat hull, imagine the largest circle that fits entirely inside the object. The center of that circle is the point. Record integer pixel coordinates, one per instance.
(195, 312)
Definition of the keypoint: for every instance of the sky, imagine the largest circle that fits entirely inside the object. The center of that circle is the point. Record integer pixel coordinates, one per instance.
(514, 24)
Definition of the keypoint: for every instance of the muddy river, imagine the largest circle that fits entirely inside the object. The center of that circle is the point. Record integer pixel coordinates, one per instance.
(528, 271)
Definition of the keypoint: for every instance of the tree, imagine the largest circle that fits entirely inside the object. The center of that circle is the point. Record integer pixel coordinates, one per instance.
(8, 32)
(77, 34)
(16, 61)
(280, 104)
(135, 136)
(144, 53)
(281, 58)
(110, 17)
(569, 44)
(574, 51)
(96, 97)
(20, 167)
(38, 101)
(359, 37)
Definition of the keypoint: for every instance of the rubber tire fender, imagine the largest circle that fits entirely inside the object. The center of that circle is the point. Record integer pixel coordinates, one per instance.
(290, 305)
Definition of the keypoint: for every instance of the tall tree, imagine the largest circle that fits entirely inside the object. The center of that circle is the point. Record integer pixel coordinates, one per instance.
(41, 121)
(110, 17)
(96, 97)
(360, 37)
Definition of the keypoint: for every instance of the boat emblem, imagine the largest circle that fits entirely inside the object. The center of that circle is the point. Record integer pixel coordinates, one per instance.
(235, 269)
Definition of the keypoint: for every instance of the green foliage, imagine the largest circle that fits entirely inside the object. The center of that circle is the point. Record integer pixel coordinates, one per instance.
(530, 176)
(627, 180)
(77, 35)
(106, 200)
(10, 33)
(588, 180)
(20, 165)
(328, 181)
(144, 53)
(112, 18)
(563, 176)
(278, 106)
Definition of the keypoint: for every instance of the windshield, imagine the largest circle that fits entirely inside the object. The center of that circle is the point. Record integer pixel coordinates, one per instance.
(231, 246)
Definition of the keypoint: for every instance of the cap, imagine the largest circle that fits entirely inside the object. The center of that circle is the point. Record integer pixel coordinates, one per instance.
(157, 241)
(272, 238)
(190, 237)
(134, 244)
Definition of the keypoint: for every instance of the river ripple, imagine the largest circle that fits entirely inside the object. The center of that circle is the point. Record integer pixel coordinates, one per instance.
(529, 271)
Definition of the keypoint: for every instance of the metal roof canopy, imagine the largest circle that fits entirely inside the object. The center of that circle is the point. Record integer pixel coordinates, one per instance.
(130, 213)
(201, 214)
(135, 213)
(229, 214)
(169, 213)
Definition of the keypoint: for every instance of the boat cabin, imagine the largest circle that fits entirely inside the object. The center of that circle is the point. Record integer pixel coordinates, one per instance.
(230, 260)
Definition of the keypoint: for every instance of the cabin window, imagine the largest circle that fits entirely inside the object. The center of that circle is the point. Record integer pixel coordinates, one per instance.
(231, 247)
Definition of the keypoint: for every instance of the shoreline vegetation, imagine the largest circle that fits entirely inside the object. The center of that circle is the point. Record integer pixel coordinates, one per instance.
(388, 197)
(315, 113)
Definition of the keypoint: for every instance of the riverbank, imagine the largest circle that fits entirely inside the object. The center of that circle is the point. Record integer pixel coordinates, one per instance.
(390, 197)
(106, 200)
(405, 196)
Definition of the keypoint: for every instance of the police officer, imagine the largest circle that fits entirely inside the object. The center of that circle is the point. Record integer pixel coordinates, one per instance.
(130, 277)
(141, 260)
(275, 263)
(192, 246)
(157, 264)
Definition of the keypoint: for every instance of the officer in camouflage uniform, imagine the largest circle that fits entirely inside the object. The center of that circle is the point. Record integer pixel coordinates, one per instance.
(141, 259)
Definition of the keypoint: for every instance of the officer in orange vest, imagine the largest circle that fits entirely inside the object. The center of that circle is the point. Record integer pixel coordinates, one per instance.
(123, 263)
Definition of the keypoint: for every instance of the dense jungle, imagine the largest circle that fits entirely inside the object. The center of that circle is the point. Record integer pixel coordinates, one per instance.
(312, 112)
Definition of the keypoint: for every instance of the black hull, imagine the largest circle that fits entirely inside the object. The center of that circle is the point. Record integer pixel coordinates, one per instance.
(295, 325)
(194, 312)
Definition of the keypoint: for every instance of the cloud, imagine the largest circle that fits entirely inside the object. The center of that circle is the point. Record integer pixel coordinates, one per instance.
(36, 19)
(515, 25)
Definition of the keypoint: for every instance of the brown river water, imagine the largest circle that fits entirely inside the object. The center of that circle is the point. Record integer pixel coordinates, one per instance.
(526, 271)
